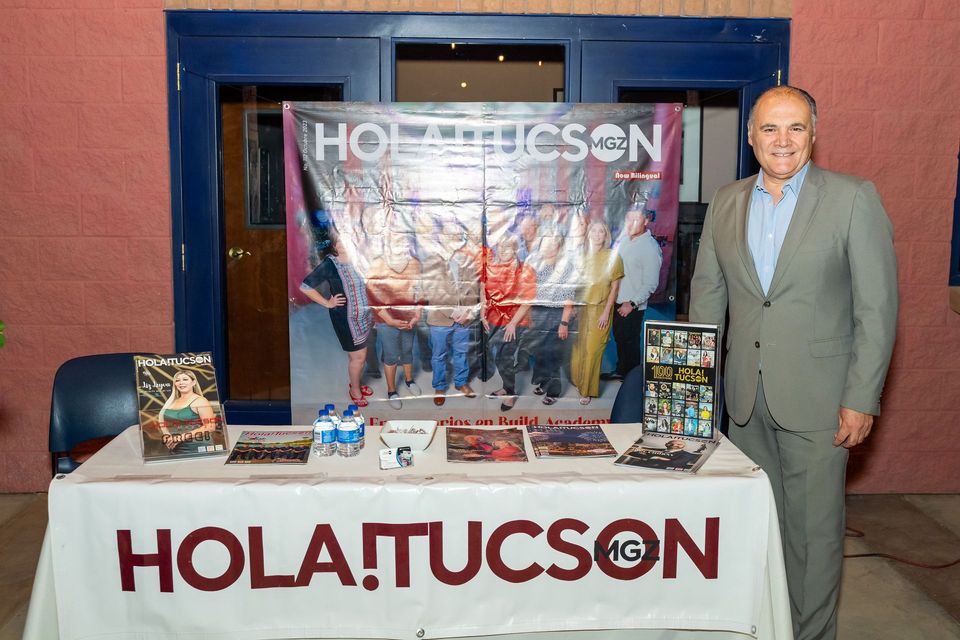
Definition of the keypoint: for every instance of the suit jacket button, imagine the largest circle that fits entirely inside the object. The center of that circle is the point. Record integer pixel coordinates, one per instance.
(757, 344)
(766, 303)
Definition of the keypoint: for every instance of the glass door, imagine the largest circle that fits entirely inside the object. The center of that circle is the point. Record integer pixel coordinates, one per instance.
(255, 236)
(480, 72)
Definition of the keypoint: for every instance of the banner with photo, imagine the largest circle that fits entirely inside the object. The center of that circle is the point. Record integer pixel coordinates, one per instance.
(472, 263)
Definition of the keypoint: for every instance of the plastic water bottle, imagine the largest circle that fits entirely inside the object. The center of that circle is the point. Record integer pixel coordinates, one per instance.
(361, 421)
(348, 435)
(324, 435)
(332, 412)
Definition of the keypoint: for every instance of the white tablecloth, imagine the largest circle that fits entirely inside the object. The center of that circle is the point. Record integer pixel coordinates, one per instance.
(338, 548)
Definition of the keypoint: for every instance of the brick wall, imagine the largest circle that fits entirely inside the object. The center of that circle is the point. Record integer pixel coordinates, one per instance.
(887, 80)
(85, 256)
(738, 8)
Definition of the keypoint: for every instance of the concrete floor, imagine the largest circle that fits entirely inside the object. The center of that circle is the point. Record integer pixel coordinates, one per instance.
(880, 599)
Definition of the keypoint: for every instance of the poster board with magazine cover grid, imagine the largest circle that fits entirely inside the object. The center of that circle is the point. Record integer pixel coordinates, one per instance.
(681, 379)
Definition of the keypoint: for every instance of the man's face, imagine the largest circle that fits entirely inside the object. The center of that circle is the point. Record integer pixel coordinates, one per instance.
(399, 244)
(635, 222)
(781, 135)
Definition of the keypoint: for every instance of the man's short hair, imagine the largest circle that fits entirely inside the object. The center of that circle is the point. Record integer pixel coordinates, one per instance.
(786, 89)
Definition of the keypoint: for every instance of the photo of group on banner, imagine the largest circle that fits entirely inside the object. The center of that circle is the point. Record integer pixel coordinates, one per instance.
(542, 284)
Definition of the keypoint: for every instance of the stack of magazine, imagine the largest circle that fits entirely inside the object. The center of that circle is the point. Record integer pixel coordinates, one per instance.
(681, 361)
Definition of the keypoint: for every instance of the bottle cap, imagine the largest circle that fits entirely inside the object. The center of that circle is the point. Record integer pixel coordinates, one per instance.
(352, 407)
(323, 412)
(330, 407)
(348, 414)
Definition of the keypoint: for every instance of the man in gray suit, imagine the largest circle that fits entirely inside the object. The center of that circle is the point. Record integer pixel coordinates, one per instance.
(803, 260)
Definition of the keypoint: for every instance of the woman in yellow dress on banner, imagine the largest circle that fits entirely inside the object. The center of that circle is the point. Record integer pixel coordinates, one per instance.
(602, 270)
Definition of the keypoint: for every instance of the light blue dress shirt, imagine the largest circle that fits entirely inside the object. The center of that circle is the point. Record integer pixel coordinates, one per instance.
(767, 224)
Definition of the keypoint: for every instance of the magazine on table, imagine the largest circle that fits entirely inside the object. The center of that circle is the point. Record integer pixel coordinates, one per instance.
(681, 361)
(564, 441)
(272, 447)
(465, 444)
(179, 407)
(668, 452)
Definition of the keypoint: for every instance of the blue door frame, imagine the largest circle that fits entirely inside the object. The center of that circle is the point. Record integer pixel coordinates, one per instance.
(208, 48)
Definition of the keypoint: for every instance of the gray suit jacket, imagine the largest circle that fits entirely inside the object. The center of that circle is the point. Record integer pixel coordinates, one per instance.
(824, 333)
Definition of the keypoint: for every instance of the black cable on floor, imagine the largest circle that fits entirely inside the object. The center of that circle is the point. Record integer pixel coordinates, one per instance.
(856, 533)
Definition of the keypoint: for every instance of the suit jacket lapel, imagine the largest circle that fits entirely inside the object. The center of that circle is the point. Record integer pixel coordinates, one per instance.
(803, 214)
(742, 204)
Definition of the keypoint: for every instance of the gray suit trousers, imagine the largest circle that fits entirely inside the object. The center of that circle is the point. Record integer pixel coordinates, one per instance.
(807, 475)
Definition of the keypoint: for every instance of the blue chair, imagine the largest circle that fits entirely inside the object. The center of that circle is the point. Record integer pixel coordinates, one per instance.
(94, 399)
(628, 406)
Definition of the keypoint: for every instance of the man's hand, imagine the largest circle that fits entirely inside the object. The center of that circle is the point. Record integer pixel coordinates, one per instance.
(854, 428)
(624, 309)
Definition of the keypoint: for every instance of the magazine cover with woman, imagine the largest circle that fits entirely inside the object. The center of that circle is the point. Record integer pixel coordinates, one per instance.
(180, 412)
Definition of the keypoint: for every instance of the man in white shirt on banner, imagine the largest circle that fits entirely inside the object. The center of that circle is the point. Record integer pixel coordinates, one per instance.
(642, 258)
